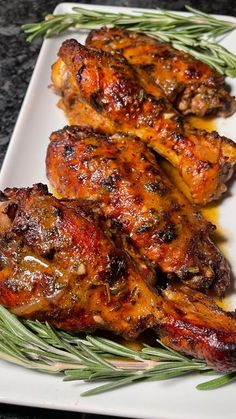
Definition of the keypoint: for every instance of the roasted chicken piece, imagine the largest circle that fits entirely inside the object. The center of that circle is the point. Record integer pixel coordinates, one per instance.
(110, 86)
(191, 85)
(122, 175)
(58, 266)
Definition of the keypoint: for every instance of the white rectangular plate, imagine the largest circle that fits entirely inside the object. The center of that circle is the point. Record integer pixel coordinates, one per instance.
(24, 165)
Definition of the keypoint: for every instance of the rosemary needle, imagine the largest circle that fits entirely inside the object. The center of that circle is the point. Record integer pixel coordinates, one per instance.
(196, 34)
(39, 346)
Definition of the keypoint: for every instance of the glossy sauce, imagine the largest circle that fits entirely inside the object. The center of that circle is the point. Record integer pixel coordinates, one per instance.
(208, 123)
(211, 210)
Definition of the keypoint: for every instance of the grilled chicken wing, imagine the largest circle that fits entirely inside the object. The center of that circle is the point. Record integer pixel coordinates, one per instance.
(121, 174)
(59, 266)
(191, 85)
(110, 86)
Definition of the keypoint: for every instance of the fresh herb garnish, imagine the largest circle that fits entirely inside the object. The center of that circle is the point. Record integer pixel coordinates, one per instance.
(39, 346)
(196, 34)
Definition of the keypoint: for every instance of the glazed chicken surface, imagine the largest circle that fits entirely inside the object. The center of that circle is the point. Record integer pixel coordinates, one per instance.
(123, 177)
(191, 85)
(116, 101)
(57, 265)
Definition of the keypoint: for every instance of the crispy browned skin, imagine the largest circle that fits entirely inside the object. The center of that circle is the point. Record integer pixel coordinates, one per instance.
(59, 266)
(191, 85)
(122, 175)
(107, 84)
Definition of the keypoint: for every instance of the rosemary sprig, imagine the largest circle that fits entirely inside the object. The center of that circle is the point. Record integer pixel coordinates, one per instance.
(39, 346)
(196, 34)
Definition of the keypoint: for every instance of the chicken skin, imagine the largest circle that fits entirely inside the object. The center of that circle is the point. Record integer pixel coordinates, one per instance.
(122, 175)
(110, 87)
(57, 265)
(191, 85)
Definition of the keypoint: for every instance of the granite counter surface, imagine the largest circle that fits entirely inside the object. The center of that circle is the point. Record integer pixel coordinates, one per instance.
(17, 61)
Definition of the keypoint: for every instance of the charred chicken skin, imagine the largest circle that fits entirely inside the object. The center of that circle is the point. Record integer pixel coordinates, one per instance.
(122, 175)
(110, 87)
(58, 266)
(191, 85)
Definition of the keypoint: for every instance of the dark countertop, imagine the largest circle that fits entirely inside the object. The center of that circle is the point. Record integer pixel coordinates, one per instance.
(17, 60)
